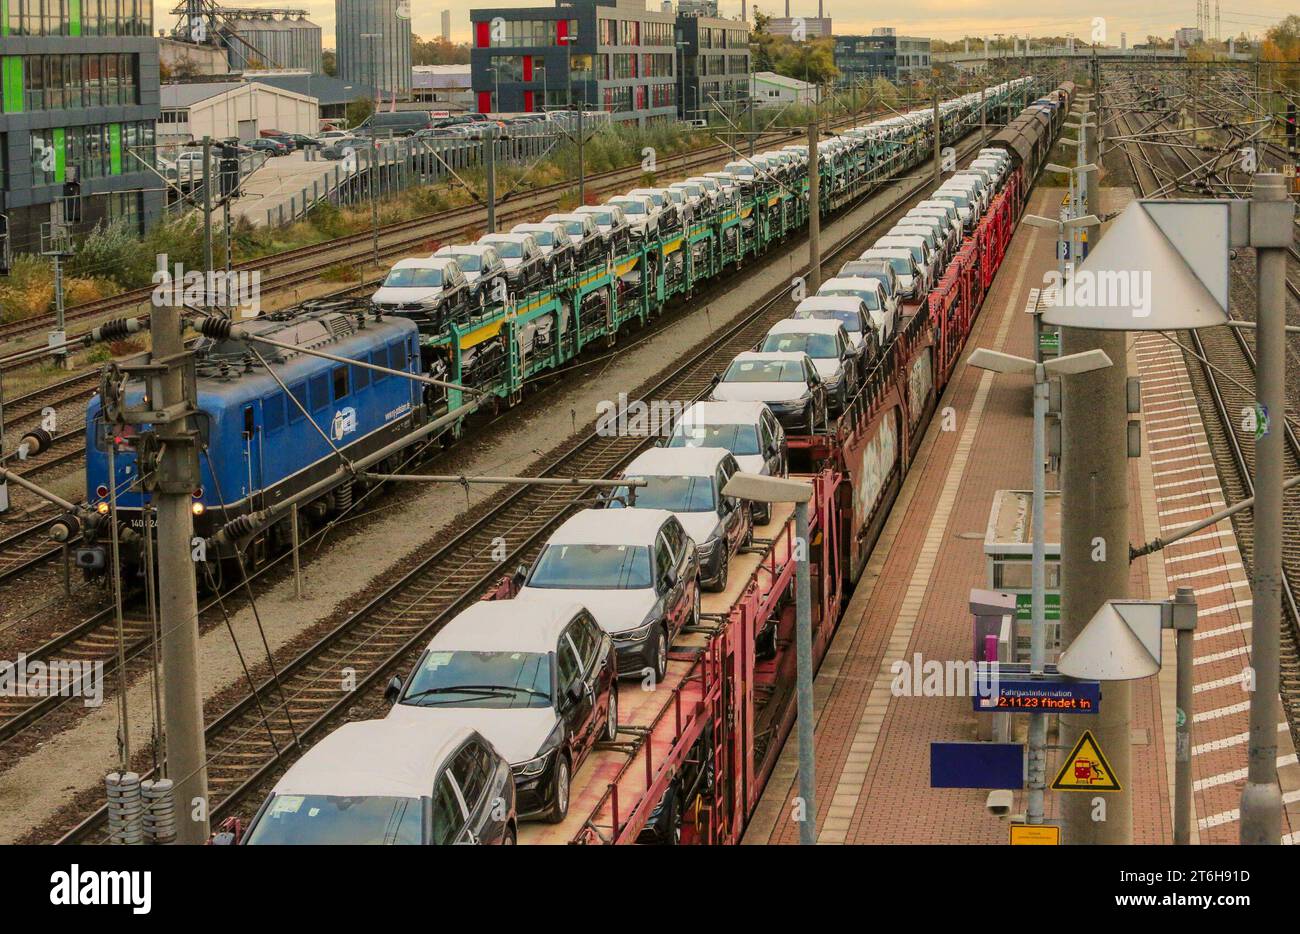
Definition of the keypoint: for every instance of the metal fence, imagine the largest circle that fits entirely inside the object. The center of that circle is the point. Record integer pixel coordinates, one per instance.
(396, 165)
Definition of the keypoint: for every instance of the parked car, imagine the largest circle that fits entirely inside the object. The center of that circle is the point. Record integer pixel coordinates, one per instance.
(827, 344)
(787, 382)
(921, 254)
(537, 680)
(688, 482)
(934, 246)
(696, 198)
(525, 265)
(280, 137)
(481, 265)
(397, 123)
(340, 147)
(965, 200)
(713, 189)
(859, 279)
(908, 273)
(430, 290)
(641, 214)
(268, 145)
(389, 782)
(748, 430)
(611, 222)
(583, 232)
(667, 206)
(950, 211)
(557, 248)
(639, 577)
(947, 237)
(852, 312)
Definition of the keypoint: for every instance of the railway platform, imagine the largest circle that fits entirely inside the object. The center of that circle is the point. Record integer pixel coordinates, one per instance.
(873, 781)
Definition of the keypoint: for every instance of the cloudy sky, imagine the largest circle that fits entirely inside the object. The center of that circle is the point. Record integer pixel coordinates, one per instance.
(943, 19)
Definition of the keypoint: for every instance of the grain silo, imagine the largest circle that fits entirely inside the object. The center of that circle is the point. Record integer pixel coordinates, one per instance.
(373, 44)
(261, 42)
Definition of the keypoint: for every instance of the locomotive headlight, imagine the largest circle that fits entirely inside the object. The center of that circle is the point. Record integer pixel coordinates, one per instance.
(102, 509)
(197, 508)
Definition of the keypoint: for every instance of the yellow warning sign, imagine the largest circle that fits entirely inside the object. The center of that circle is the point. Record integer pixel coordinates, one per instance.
(1086, 768)
(1035, 835)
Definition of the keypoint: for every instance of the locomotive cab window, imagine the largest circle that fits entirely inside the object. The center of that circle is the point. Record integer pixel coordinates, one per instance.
(340, 382)
(360, 378)
(273, 412)
(298, 403)
(397, 356)
(320, 392)
(379, 358)
(250, 421)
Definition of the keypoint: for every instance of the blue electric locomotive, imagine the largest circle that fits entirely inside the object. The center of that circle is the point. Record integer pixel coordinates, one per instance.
(258, 445)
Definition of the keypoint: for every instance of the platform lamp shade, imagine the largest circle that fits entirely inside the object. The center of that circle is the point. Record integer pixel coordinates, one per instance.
(1162, 266)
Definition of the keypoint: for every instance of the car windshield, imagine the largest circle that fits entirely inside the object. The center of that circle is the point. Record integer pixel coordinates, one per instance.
(575, 228)
(764, 371)
(592, 567)
(480, 679)
(676, 494)
(410, 278)
(817, 346)
(741, 168)
(850, 319)
(368, 820)
(544, 237)
(870, 297)
(738, 439)
(709, 185)
(632, 207)
(956, 197)
(508, 249)
(469, 262)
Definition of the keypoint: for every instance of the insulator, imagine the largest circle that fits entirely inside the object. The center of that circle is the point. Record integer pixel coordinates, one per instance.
(65, 528)
(125, 808)
(115, 330)
(159, 811)
(215, 326)
(238, 527)
(37, 441)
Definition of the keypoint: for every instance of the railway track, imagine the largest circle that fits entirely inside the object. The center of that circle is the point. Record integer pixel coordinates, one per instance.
(292, 268)
(266, 728)
(1224, 381)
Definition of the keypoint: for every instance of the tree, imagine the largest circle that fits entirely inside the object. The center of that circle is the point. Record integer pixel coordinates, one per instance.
(359, 110)
(812, 60)
(438, 51)
(329, 63)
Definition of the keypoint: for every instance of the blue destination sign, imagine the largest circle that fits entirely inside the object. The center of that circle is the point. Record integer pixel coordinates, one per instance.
(977, 765)
(1049, 693)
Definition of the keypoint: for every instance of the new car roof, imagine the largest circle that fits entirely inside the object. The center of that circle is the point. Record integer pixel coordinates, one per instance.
(805, 326)
(595, 527)
(374, 758)
(830, 302)
(506, 626)
(676, 462)
(710, 412)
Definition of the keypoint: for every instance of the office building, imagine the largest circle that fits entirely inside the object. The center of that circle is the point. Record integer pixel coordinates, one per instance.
(883, 54)
(618, 57)
(373, 44)
(79, 90)
(715, 64)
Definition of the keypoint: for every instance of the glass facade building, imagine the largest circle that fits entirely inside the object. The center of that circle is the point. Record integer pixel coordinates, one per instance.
(78, 90)
(622, 59)
(882, 55)
(715, 65)
(383, 62)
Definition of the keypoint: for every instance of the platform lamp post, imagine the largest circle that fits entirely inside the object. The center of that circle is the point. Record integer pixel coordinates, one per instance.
(568, 39)
(1042, 371)
(1061, 226)
(763, 489)
(1175, 254)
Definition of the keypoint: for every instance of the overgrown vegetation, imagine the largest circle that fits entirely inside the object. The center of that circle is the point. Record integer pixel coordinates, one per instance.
(111, 259)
